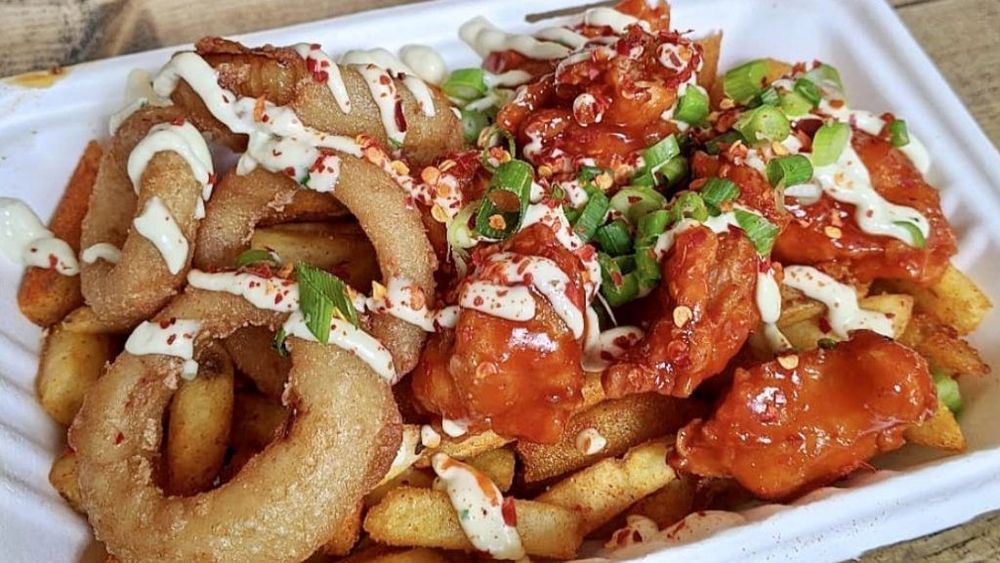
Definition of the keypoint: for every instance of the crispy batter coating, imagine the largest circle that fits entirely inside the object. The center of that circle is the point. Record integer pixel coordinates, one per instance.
(284, 503)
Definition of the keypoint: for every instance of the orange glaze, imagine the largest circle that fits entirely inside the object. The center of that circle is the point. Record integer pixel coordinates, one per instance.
(859, 255)
(522, 379)
(781, 432)
(626, 89)
(715, 277)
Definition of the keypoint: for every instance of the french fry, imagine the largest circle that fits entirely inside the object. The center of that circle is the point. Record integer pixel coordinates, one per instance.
(465, 447)
(941, 431)
(410, 477)
(954, 300)
(345, 535)
(624, 423)
(498, 465)
(668, 505)
(710, 46)
(200, 418)
(256, 421)
(45, 296)
(340, 247)
(69, 364)
(425, 518)
(85, 320)
(253, 355)
(806, 333)
(607, 488)
(63, 479)
(944, 349)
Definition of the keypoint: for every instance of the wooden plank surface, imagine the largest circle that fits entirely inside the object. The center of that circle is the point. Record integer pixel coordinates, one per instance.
(961, 36)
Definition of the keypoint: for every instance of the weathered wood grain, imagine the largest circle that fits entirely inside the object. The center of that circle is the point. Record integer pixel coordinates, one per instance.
(961, 36)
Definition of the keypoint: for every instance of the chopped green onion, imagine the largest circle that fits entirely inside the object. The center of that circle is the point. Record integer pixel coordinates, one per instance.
(826, 343)
(256, 256)
(674, 170)
(948, 391)
(766, 97)
(505, 200)
(636, 201)
(759, 230)
(592, 215)
(744, 82)
(650, 227)
(688, 204)
(714, 145)
(617, 286)
(614, 238)
(693, 106)
(473, 123)
(899, 136)
(827, 78)
(808, 90)
(916, 235)
(459, 234)
(647, 269)
(320, 295)
(493, 136)
(466, 84)
(278, 344)
(794, 104)
(829, 142)
(789, 170)
(660, 153)
(589, 173)
(717, 191)
(765, 123)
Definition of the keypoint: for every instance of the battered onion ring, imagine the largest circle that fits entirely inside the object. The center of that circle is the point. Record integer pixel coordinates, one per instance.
(284, 503)
(380, 206)
(140, 284)
(280, 75)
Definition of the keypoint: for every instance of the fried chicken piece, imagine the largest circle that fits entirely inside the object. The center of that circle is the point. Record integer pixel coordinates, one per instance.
(800, 422)
(708, 305)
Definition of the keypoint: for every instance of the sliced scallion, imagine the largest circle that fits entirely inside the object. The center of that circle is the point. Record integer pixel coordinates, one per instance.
(717, 191)
(765, 123)
(794, 104)
(505, 201)
(789, 170)
(766, 97)
(466, 84)
(759, 230)
(636, 201)
(827, 78)
(650, 227)
(614, 238)
(647, 268)
(948, 391)
(808, 90)
(744, 82)
(829, 142)
(693, 105)
(321, 294)
(688, 205)
(660, 153)
(592, 215)
(714, 145)
(917, 239)
(674, 170)
(899, 136)
(257, 256)
(618, 284)
(473, 123)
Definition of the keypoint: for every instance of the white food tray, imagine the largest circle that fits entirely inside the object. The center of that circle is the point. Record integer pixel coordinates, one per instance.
(43, 131)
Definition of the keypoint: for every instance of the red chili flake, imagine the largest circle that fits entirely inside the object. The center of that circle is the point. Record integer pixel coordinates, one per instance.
(384, 80)
(177, 121)
(478, 301)
(607, 356)
(165, 324)
(623, 341)
(171, 339)
(764, 266)
(318, 74)
(212, 178)
(119, 438)
(278, 298)
(509, 512)
(824, 325)
(400, 116)
(53, 261)
(289, 171)
(636, 536)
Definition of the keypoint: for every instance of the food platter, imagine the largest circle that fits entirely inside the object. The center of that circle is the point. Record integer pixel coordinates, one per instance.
(42, 129)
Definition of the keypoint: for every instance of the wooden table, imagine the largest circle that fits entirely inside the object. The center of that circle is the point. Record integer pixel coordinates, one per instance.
(961, 36)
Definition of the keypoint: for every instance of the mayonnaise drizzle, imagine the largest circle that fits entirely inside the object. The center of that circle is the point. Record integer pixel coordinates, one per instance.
(425, 62)
(407, 302)
(158, 226)
(872, 124)
(485, 38)
(273, 294)
(383, 92)
(398, 69)
(602, 348)
(101, 251)
(479, 506)
(841, 302)
(25, 240)
(322, 66)
(590, 441)
(138, 95)
(511, 303)
(182, 139)
(346, 336)
(172, 338)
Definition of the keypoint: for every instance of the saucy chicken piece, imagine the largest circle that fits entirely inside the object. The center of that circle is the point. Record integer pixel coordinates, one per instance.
(520, 378)
(755, 191)
(859, 255)
(781, 431)
(709, 304)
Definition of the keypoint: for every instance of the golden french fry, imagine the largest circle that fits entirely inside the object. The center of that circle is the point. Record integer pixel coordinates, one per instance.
(252, 353)
(201, 414)
(796, 308)
(498, 465)
(941, 431)
(670, 504)
(346, 534)
(256, 420)
(63, 479)
(954, 300)
(69, 364)
(944, 349)
(624, 423)
(45, 296)
(710, 46)
(898, 307)
(465, 447)
(425, 518)
(340, 247)
(410, 477)
(607, 488)
(85, 320)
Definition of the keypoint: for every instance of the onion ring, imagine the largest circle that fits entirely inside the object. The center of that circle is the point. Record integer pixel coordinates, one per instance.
(140, 283)
(284, 503)
(281, 76)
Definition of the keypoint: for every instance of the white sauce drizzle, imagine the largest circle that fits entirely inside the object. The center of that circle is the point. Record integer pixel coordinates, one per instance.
(872, 124)
(321, 64)
(396, 68)
(25, 240)
(479, 506)
(511, 303)
(602, 348)
(174, 338)
(429, 437)
(454, 428)
(590, 441)
(273, 294)
(406, 301)
(184, 140)
(344, 335)
(768, 297)
(101, 251)
(612, 18)
(158, 226)
(383, 92)
(841, 302)
(138, 95)
(486, 38)
(425, 62)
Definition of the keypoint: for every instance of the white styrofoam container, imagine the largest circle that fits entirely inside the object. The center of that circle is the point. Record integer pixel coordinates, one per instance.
(42, 132)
